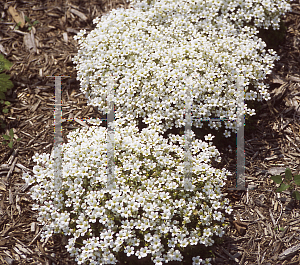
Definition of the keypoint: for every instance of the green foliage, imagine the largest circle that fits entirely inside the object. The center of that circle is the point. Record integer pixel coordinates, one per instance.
(9, 138)
(279, 228)
(17, 26)
(29, 23)
(288, 181)
(5, 84)
(5, 110)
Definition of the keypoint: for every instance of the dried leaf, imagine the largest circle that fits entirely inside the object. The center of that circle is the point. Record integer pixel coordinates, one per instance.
(15, 15)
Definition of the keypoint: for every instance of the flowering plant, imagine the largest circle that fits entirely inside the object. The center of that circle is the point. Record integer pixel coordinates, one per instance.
(151, 52)
(237, 12)
(150, 211)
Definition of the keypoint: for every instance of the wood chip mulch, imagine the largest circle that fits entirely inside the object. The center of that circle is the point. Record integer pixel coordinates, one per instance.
(272, 138)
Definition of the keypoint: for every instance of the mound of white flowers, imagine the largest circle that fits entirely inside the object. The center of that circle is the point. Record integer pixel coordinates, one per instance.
(262, 13)
(152, 51)
(149, 212)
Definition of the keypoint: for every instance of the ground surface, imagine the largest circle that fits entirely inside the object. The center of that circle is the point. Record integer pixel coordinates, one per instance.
(272, 140)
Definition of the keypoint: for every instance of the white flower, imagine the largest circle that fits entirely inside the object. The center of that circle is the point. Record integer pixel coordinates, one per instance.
(129, 250)
(209, 137)
(197, 260)
(227, 134)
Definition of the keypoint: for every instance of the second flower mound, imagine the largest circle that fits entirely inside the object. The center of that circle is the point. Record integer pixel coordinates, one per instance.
(149, 207)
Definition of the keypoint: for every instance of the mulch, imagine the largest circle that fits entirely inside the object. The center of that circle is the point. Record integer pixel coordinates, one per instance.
(272, 138)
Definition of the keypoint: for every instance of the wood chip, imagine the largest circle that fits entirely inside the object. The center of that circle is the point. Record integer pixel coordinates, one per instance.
(16, 16)
(78, 13)
(29, 42)
(289, 252)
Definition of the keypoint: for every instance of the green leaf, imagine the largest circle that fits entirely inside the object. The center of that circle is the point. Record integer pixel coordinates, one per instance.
(7, 103)
(296, 195)
(7, 64)
(281, 228)
(5, 83)
(35, 22)
(10, 144)
(11, 133)
(6, 137)
(282, 187)
(288, 174)
(5, 110)
(297, 180)
(2, 96)
(27, 19)
(18, 25)
(277, 179)
(19, 139)
(29, 28)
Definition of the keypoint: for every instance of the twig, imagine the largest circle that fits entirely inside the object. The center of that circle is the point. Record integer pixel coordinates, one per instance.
(11, 169)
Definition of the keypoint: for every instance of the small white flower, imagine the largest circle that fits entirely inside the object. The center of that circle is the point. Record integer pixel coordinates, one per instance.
(209, 137)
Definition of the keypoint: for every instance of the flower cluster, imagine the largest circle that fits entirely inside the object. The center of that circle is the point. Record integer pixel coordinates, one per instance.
(151, 52)
(263, 13)
(149, 211)
(154, 51)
